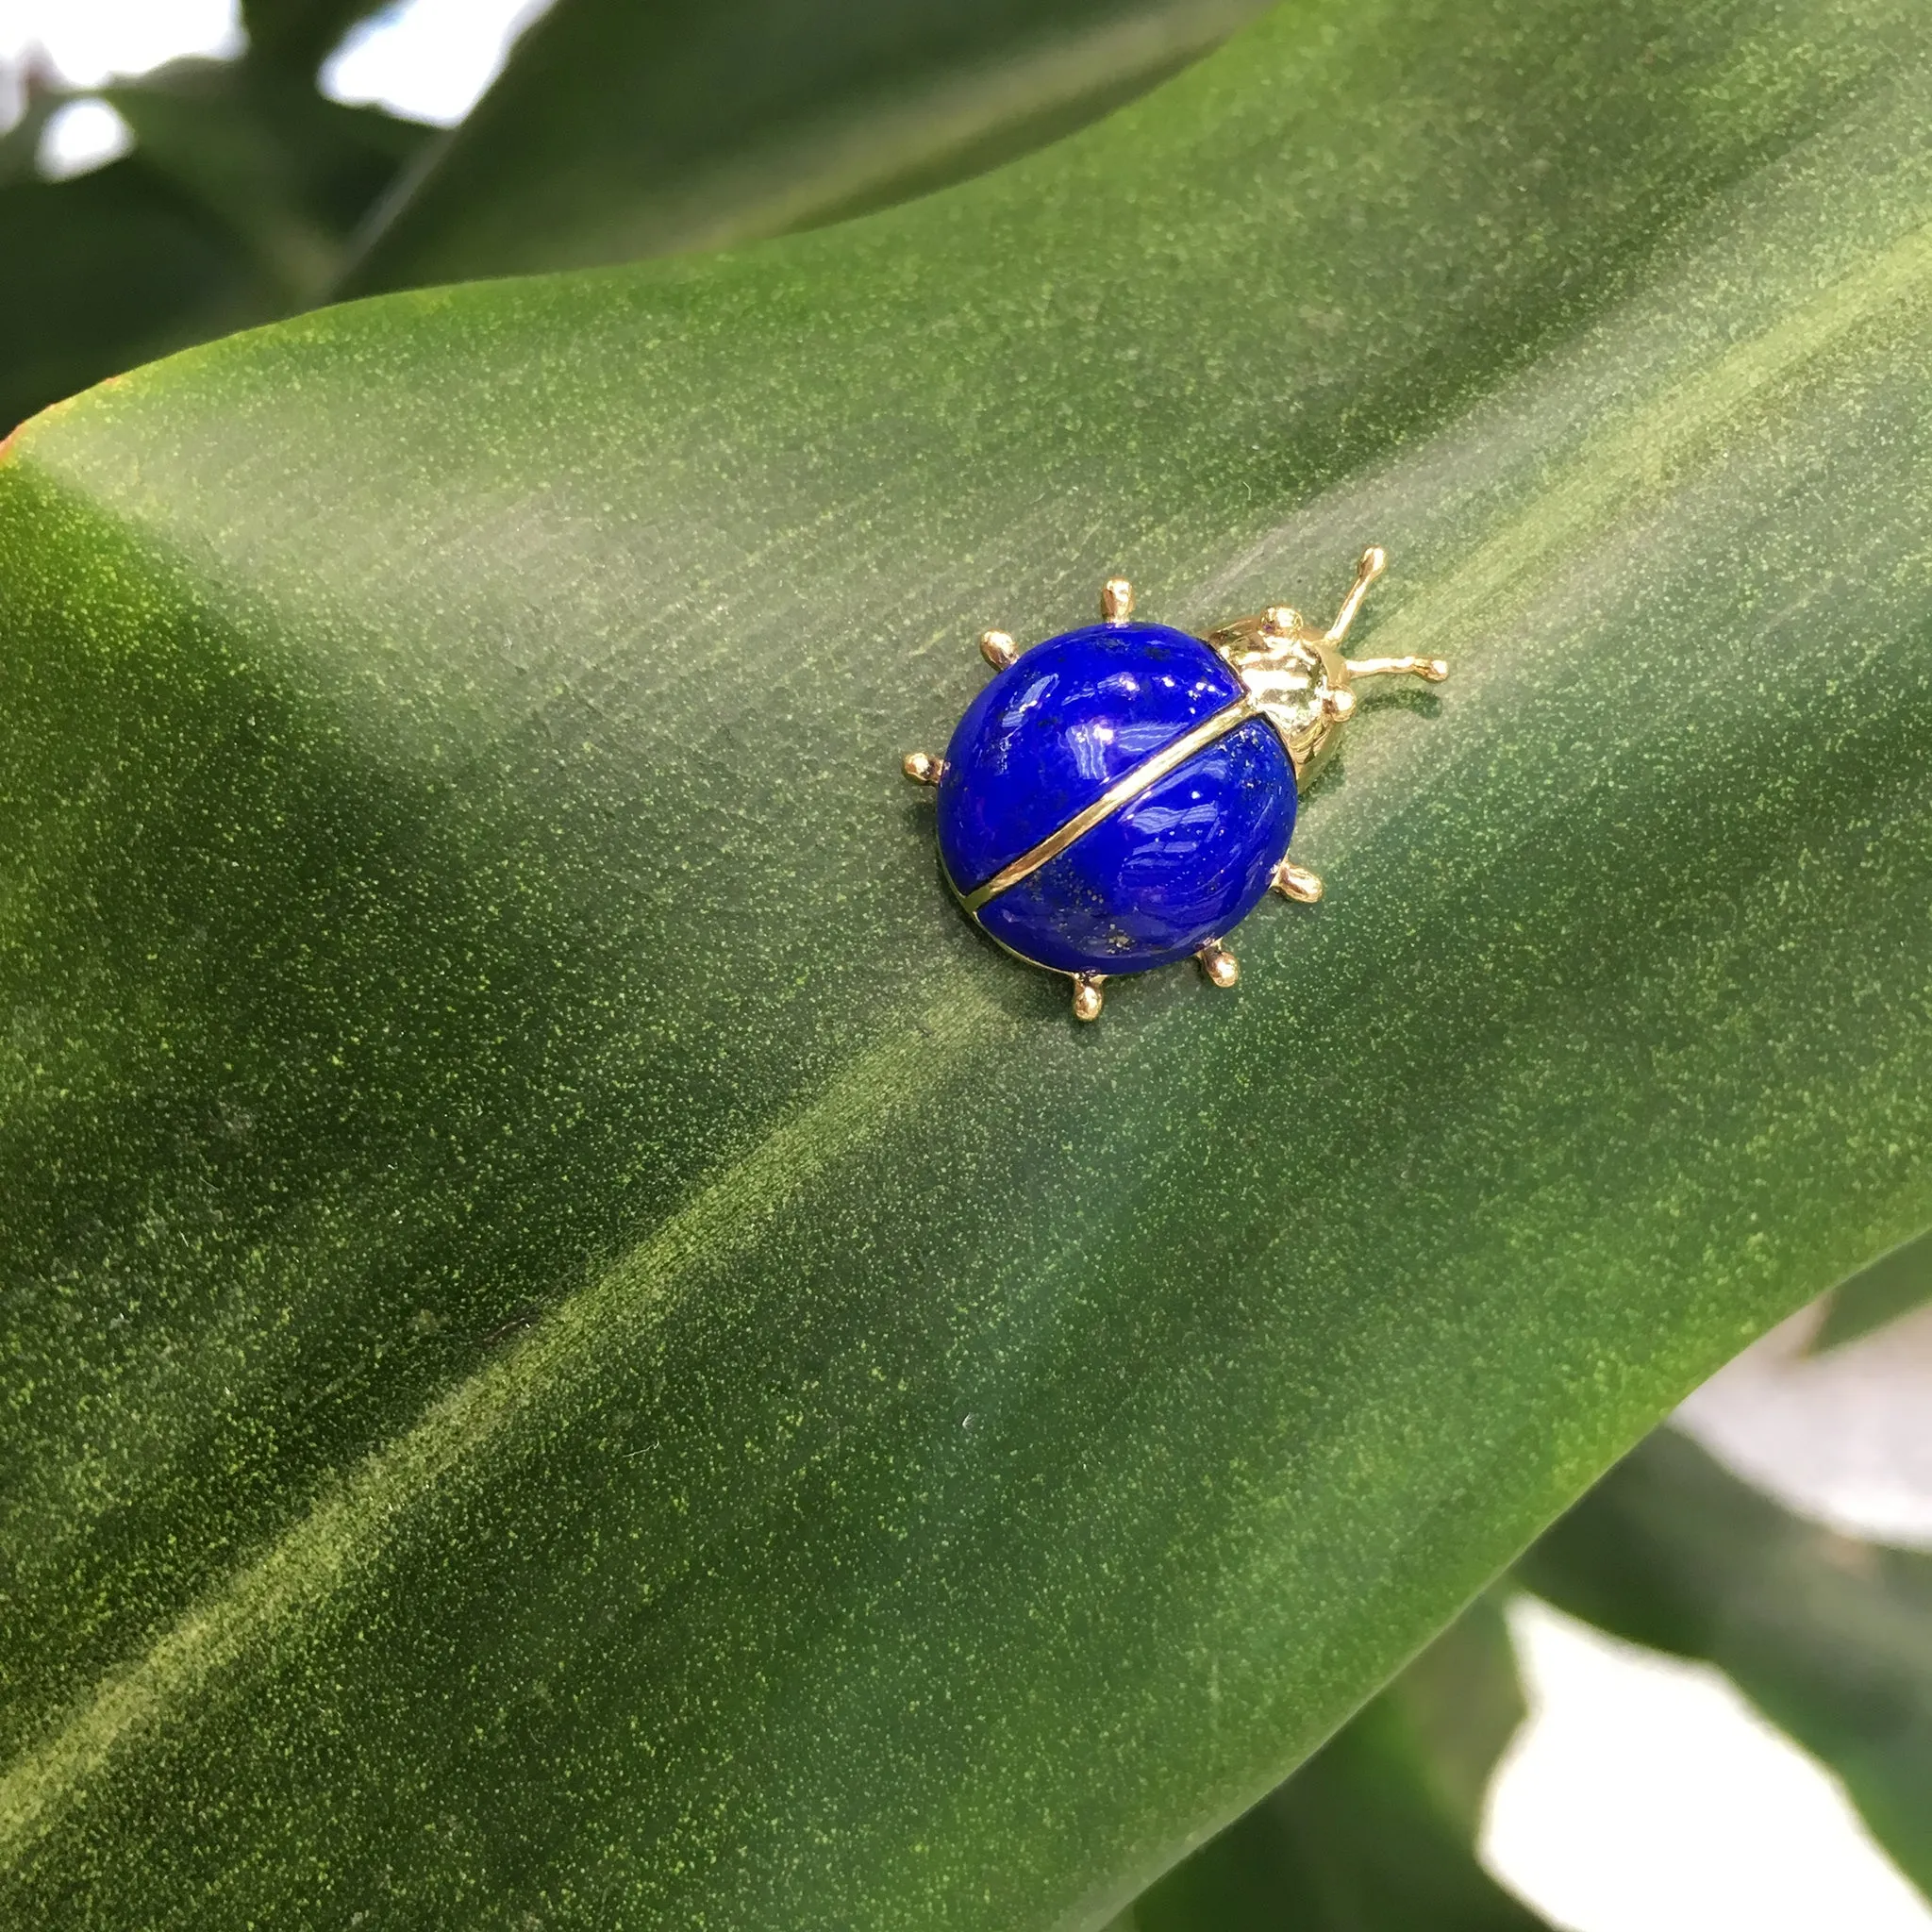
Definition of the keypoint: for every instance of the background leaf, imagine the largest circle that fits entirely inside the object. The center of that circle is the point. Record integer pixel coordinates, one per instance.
(618, 131)
(1830, 1637)
(105, 271)
(576, 1346)
(289, 172)
(234, 206)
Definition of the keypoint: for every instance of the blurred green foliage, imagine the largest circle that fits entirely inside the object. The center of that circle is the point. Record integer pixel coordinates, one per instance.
(620, 128)
(235, 206)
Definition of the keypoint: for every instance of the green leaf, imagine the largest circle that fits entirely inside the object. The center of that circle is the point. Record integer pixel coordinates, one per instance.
(1829, 1637)
(618, 131)
(1377, 1829)
(1893, 1285)
(578, 1346)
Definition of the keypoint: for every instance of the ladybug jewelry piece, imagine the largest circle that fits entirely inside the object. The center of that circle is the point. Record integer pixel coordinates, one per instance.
(1122, 797)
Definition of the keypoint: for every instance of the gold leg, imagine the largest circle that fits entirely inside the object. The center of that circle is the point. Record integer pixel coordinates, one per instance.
(1374, 560)
(1218, 964)
(1087, 995)
(998, 649)
(922, 768)
(1116, 600)
(1295, 882)
(1433, 669)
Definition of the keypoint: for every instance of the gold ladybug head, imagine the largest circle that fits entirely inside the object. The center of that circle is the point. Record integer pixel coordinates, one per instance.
(1298, 675)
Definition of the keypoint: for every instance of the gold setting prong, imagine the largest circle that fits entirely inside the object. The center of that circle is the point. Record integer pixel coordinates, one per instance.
(1116, 600)
(1297, 883)
(922, 768)
(1433, 669)
(1338, 702)
(1088, 996)
(1374, 560)
(998, 649)
(1220, 966)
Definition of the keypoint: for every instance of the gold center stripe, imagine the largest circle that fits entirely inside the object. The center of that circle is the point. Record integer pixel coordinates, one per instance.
(1123, 792)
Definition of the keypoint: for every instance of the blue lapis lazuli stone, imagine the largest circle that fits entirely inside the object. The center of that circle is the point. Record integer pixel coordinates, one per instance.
(1183, 863)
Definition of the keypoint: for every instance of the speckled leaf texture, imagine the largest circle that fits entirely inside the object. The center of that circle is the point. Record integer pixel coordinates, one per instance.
(580, 1352)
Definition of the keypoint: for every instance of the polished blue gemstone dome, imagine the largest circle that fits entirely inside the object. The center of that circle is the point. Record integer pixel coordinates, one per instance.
(1182, 863)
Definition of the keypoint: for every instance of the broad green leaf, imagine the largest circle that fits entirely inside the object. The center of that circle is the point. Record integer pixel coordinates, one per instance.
(1893, 1285)
(577, 1347)
(1378, 1828)
(1831, 1638)
(619, 130)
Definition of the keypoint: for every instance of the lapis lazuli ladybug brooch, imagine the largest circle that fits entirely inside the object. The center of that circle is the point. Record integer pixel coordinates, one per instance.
(1122, 797)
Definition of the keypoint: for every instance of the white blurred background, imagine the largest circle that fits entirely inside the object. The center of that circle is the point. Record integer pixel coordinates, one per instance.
(1643, 1795)
(427, 60)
